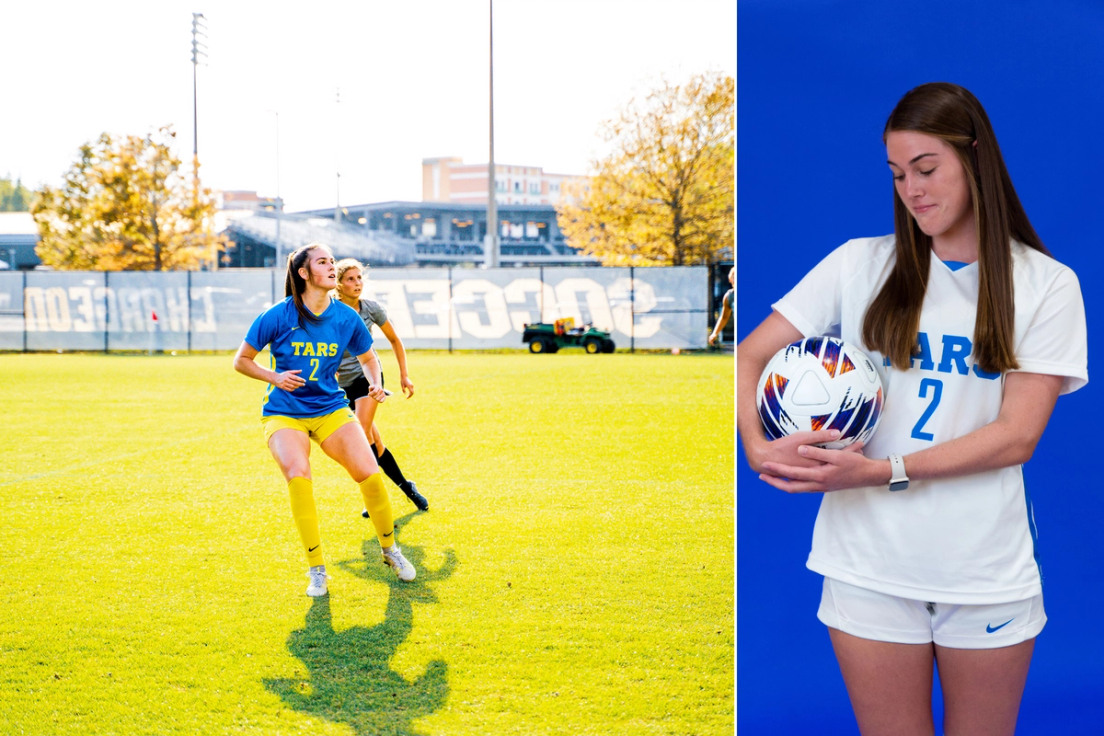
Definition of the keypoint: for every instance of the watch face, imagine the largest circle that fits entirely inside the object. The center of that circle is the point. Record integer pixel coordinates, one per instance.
(899, 485)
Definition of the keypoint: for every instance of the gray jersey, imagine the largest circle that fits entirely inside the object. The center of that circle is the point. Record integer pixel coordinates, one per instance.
(349, 370)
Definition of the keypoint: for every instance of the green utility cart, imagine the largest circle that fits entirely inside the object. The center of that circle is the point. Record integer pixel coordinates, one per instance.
(548, 338)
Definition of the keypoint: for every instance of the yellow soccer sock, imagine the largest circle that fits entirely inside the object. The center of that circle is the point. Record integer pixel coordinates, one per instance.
(305, 514)
(378, 504)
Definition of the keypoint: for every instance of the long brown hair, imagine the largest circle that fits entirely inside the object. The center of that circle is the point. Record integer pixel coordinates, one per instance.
(295, 285)
(892, 323)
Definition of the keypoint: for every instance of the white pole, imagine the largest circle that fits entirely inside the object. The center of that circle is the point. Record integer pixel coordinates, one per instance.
(337, 156)
(279, 200)
(490, 244)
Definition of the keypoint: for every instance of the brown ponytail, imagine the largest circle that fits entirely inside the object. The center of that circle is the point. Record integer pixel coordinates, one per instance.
(295, 285)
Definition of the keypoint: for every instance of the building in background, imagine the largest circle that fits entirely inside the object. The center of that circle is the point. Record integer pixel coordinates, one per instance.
(381, 234)
(449, 179)
(408, 234)
(19, 232)
(239, 204)
(244, 200)
(18, 238)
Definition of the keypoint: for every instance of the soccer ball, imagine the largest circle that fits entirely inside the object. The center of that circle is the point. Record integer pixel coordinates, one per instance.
(820, 383)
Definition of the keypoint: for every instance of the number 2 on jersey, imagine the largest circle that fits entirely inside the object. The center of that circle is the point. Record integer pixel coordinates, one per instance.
(314, 362)
(937, 393)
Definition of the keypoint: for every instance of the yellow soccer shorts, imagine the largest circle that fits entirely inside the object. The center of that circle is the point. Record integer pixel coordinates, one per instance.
(317, 428)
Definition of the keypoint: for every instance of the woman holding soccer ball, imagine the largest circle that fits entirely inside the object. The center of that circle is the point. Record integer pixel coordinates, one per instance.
(307, 333)
(350, 284)
(925, 536)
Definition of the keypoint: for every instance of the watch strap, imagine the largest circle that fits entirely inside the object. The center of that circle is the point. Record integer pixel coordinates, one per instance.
(899, 480)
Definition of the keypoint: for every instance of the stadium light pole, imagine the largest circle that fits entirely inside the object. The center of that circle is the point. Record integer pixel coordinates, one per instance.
(199, 30)
(279, 199)
(490, 243)
(337, 154)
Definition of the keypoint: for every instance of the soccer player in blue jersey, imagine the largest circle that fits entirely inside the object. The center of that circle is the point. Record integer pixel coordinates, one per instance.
(307, 333)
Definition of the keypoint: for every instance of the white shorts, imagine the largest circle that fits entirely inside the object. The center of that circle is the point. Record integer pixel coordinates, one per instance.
(872, 615)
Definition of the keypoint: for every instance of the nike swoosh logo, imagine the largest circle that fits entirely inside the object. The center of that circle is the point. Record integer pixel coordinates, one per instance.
(316, 547)
(989, 629)
(293, 329)
(388, 534)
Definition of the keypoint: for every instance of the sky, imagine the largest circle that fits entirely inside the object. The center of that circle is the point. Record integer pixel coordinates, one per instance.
(412, 77)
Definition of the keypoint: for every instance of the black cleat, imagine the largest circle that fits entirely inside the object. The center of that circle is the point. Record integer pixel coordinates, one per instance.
(416, 498)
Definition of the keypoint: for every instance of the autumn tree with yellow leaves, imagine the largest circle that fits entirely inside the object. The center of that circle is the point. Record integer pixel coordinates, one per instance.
(125, 206)
(665, 195)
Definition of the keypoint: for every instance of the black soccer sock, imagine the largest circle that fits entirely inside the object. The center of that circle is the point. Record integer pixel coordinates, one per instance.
(390, 466)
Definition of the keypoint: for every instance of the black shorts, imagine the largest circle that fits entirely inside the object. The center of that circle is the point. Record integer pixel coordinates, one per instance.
(359, 388)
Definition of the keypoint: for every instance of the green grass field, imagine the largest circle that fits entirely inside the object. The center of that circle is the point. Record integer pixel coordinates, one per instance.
(575, 569)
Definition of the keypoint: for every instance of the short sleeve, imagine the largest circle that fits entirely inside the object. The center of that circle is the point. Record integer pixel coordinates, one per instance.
(262, 331)
(361, 341)
(1056, 342)
(376, 312)
(814, 306)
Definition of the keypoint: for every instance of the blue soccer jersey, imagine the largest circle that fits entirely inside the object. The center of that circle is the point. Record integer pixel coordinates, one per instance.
(315, 349)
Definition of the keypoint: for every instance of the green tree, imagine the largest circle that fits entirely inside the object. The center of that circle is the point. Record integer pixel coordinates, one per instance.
(125, 206)
(665, 194)
(14, 197)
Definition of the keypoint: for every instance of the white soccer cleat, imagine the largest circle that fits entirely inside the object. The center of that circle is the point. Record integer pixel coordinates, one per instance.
(317, 585)
(393, 557)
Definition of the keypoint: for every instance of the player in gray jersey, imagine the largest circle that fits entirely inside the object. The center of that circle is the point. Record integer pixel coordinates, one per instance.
(726, 309)
(350, 283)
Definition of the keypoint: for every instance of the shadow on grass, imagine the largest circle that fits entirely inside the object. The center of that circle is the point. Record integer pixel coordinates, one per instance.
(350, 680)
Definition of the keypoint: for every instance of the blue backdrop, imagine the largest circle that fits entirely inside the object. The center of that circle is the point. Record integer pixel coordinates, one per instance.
(815, 83)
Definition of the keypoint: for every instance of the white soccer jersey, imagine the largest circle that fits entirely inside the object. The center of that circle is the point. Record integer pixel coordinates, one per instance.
(965, 540)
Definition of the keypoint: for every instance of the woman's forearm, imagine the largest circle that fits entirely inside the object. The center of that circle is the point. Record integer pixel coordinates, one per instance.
(991, 447)
(726, 313)
(748, 369)
(371, 367)
(1008, 440)
(752, 355)
(249, 367)
(400, 356)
